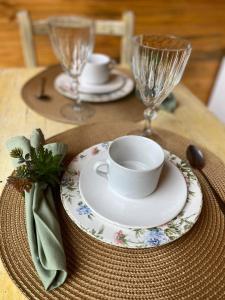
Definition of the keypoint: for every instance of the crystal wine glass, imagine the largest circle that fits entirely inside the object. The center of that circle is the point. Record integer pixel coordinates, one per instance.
(72, 39)
(158, 63)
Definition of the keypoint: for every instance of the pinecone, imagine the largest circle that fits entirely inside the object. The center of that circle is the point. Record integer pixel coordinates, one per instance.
(20, 184)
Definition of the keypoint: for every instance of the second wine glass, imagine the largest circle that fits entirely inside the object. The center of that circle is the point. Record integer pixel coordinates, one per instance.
(158, 63)
(72, 39)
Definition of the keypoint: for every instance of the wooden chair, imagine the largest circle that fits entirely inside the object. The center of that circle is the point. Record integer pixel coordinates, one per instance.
(29, 28)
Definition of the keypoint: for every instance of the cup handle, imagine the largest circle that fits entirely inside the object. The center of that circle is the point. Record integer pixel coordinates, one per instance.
(112, 64)
(102, 173)
(166, 154)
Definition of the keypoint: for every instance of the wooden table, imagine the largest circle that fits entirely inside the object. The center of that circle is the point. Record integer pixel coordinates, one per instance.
(191, 119)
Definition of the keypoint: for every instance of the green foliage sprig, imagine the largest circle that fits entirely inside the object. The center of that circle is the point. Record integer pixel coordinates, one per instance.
(40, 165)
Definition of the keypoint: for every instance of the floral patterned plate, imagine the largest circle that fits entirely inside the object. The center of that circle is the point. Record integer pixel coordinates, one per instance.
(120, 86)
(115, 234)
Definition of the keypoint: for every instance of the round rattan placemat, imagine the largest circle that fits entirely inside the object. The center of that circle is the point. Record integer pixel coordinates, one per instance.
(192, 267)
(128, 108)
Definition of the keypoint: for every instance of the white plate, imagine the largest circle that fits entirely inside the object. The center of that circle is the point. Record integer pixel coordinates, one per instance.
(115, 82)
(118, 235)
(119, 86)
(156, 209)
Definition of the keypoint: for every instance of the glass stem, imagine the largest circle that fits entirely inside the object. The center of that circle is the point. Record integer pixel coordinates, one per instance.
(148, 115)
(76, 92)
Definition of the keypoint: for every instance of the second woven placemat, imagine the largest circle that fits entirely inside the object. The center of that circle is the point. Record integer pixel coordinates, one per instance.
(192, 267)
(128, 108)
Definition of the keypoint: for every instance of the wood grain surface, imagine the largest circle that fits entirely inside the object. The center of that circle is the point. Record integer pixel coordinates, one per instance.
(191, 119)
(202, 21)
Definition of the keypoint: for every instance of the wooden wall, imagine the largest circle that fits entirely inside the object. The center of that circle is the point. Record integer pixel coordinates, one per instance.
(203, 22)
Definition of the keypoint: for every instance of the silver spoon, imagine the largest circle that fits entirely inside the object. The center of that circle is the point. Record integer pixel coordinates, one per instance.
(197, 161)
(42, 95)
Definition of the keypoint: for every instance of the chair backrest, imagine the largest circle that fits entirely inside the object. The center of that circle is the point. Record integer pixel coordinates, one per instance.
(28, 28)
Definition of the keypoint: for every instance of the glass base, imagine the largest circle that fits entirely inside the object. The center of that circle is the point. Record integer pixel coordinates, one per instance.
(153, 135)
(77, 113)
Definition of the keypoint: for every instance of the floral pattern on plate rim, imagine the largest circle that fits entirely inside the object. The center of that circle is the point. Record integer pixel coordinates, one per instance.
(120, 236)
(63, 88)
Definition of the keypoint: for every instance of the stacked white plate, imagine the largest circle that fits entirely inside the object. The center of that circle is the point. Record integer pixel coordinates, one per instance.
(118, 86)
(158, 219)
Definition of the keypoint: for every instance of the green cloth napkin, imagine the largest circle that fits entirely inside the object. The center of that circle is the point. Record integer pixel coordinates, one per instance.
(43, 230)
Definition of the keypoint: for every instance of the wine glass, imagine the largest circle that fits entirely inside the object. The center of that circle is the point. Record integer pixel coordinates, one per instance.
(158, 63)
(72, 39)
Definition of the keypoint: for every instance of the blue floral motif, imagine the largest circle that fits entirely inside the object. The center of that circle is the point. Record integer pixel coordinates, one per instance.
(155, 237)
(84, 210)
(105, 145)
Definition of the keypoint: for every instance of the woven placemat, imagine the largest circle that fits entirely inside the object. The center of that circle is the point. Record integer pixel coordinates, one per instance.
(128, 108)
(192, 267)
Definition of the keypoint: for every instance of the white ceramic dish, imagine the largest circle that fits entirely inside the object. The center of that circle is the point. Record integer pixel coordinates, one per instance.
(114, 234)
(119, 86)
(97, 69)
(154, 210)
(128, 168)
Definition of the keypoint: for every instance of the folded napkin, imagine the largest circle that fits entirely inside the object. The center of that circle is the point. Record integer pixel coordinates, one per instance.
(43, 230)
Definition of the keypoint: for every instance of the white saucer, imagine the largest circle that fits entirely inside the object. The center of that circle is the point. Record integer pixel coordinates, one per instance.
(156, 209)
(119, 86)
(122, 236)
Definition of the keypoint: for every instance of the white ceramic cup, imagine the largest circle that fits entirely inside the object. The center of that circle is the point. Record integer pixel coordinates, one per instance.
(97, 69)
(133, 166)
